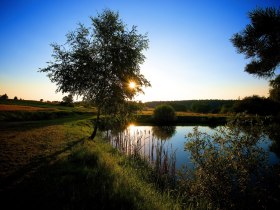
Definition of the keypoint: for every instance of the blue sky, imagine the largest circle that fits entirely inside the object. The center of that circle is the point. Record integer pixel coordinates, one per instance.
(190, 55)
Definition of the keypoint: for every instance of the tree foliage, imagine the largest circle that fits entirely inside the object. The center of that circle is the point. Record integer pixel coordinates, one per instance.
(274, 92)
(67, 100)
(260, 41)
(206, 106)
(256, 105)
(201, 107)
(4, 97)
(98, 62)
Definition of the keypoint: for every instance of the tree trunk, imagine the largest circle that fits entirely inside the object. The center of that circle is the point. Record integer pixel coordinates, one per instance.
(95, 125)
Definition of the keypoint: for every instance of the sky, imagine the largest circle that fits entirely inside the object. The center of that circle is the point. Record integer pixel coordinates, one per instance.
(190, 55)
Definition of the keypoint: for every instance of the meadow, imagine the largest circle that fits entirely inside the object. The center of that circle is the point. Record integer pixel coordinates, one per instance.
(51, 164)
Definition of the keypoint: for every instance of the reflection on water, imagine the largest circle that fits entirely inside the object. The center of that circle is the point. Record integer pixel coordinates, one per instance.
(163, 142)
(163, 132)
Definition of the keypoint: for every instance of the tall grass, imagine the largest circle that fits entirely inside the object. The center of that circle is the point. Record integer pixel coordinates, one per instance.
(145, 146)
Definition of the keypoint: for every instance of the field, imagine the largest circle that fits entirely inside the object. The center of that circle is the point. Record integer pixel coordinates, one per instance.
(51, 164)
(22, 111)
(28, 142)
(4, 107)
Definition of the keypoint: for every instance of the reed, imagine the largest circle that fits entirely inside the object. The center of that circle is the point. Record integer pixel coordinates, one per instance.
(144, 145)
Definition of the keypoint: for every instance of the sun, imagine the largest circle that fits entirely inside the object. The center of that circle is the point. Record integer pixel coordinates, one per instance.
(131, 127)
(132, 85)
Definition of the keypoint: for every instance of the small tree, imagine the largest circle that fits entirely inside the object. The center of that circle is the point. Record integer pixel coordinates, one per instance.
(99, 62)
(164, 114)
(15, 98)
(260, 41)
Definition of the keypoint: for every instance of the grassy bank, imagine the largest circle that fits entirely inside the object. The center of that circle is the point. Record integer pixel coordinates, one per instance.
(56, 167)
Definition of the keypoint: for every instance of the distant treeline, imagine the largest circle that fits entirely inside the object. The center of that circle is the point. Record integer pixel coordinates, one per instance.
(203, 106)
(250, 105)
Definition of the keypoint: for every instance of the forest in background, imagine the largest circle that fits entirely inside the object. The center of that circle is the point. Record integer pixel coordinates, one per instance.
(251, 105)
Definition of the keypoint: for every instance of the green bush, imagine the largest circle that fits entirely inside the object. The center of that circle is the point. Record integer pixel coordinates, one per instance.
(230, 170)
(164, 114)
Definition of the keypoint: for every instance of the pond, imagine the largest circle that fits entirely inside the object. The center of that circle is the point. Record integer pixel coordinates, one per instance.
(167, 143)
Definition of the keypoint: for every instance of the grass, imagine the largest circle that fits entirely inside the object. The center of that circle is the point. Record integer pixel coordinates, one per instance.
(54, 166)
(5, 107)
(24, 110)
(31, 103)
(27, 104)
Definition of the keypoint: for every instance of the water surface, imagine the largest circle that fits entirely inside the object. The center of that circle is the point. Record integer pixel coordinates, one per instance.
(169, 140)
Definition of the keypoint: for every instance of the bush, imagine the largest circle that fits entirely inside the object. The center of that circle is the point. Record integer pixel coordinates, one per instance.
(164, 114)
(230, 170)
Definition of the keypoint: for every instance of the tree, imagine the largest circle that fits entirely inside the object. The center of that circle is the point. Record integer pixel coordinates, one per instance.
(274, 92)
(67, 100)
(15, 98)
(164, 114)
(260, 41)
(201, 107)
(4, 97)
(99, 62)
(256, 105)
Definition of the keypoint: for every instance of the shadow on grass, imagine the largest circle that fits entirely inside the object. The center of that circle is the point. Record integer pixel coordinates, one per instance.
(27, 125)
(35, 164)
(80, 181)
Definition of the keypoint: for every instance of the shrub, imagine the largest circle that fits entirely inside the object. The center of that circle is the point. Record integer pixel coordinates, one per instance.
(230, 170)
(164, 114)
